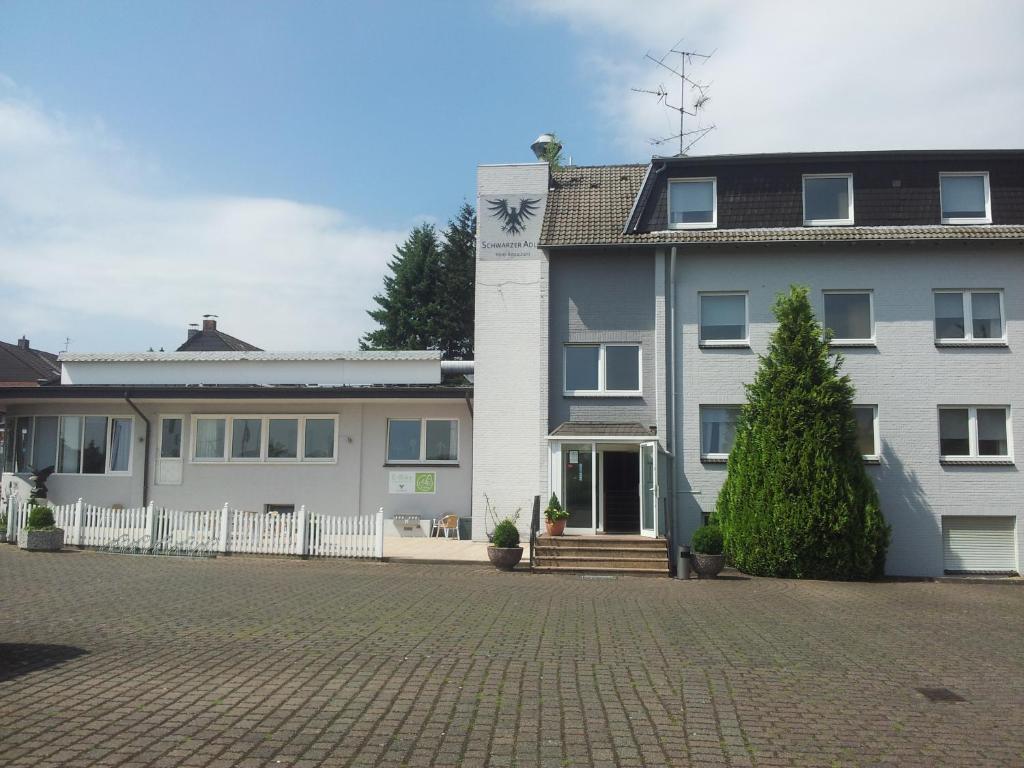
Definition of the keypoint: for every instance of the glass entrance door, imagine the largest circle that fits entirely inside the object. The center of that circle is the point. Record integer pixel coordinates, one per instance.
(578, 487)
(649, 489)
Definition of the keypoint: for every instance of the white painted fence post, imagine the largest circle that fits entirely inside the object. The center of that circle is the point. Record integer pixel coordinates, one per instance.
(225, 528)
(379, 542)
(302, 542)
(152, 525)
(12, 533)
(79, 525)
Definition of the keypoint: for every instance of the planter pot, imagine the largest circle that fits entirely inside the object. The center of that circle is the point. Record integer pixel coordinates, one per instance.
(505, 558)
(41, 541)
(556, 528)
(707, 566)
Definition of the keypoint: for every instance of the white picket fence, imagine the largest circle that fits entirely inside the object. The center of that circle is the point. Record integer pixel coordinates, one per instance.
(223, 530)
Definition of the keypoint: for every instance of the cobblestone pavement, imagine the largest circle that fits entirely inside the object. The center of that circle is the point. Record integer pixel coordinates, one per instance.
(141, 661)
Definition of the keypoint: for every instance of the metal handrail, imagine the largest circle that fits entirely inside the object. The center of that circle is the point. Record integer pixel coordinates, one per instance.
(534, 529)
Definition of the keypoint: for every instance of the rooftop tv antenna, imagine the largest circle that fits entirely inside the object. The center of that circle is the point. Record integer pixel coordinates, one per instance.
(698, 97)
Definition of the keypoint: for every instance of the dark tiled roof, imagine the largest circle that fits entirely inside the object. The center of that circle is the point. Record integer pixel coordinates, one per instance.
(896, 197)
(28, 366)
(600, 429)
(590, 204)
(215, 341)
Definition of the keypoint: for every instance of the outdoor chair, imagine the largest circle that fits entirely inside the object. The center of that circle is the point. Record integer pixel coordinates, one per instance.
(450, 524)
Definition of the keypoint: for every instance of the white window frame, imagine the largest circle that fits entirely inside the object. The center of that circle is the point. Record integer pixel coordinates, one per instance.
(972, 435)
(713, 224)
(107, 471)
(601, 391)
(264, 418)
(877, 454)
(868, 341)
(848, 221)
(422, 460)
(711, 457)
(986, 219)
(745, 341)
(968, 337)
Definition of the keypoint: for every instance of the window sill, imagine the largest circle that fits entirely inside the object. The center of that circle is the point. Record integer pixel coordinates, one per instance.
(852, 343)
(724, 345)
(714, 459)
(996, 343)
(420, 464)
(976, 461)
(966, 222)
(678, 227)
(830, 223)
(872, 459)
(602, 394)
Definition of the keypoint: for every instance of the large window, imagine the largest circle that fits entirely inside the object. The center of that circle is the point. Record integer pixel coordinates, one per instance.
(969, 316)
(717, 430)
(413, 441)
(73, 445)
(828, 200)
(263, 439)
(849, 315)
(723, 319)
(866, 417)
(692, 203)
(965, 198)
(602, 369)
(969, 432)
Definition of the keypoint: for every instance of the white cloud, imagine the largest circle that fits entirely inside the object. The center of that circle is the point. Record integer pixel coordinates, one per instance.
(91, 248)
(792, 75)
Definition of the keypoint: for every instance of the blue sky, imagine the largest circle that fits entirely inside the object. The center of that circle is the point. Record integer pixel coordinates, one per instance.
(260, 160)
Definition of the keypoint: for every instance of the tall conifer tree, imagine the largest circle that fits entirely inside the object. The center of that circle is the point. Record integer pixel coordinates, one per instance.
(427, 301)
(797, 501)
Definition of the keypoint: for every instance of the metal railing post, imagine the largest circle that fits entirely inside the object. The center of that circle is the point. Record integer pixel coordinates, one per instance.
(302, 543)
(79, 524)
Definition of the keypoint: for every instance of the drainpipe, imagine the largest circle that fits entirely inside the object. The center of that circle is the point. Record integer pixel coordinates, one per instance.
(672, 347)
(673, 405)
(145, 450)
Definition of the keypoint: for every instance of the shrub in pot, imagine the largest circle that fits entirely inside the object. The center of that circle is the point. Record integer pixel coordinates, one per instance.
(40, 534)
(505, 551)
(707, 557)
(555, 517)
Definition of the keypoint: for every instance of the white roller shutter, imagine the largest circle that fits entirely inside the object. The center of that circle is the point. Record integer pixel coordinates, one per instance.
(979, 544)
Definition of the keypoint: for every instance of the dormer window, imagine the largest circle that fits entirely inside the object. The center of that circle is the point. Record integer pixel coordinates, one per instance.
(965, 198)
(692, 203)
(828, 200)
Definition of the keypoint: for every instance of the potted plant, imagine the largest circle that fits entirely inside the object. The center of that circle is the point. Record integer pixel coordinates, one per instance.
(505, 552)
(40, 534)
(707, 557)
(555, 517)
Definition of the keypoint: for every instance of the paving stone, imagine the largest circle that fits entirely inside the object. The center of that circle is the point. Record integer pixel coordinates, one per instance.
(243, 661)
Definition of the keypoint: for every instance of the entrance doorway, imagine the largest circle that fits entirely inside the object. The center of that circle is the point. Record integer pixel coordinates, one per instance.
(621, 489)
(612, 487)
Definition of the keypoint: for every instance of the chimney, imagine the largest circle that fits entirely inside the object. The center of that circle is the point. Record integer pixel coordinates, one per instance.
(193, 329)
(209, 322)
(22, 343)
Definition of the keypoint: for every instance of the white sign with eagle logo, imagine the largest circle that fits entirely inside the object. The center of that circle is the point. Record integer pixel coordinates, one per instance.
(509, 226)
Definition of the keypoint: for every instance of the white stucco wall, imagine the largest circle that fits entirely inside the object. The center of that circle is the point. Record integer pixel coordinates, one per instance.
(327, 373)
(356, 482)
(906, 376)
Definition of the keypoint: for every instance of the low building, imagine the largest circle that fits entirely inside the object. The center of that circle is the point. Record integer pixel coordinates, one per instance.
(620, 310)
(340, 433)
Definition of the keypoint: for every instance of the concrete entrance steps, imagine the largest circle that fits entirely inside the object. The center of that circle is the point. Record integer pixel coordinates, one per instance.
(602, 554)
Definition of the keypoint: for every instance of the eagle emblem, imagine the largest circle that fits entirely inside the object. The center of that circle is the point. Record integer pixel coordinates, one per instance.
(513, 219)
